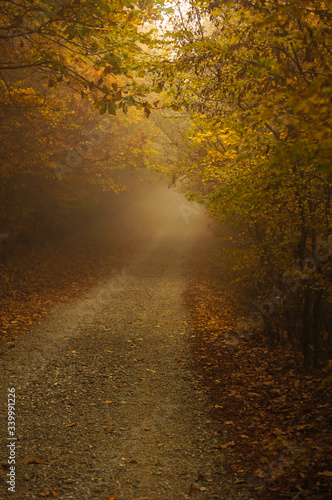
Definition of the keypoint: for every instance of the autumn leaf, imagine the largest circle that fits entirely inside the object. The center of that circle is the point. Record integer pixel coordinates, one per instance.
(34, 461)
(192, 489)
(227, 445)
(326, 473)
(199, 477)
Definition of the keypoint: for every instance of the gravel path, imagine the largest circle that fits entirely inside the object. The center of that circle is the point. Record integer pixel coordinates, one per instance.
(106, 401)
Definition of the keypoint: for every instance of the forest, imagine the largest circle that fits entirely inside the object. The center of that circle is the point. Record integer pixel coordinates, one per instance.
(228, 102)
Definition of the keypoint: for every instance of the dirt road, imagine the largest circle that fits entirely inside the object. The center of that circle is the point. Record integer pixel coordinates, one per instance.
(106, 401)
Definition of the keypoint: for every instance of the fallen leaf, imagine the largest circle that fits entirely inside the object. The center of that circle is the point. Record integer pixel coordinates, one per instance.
(111, 497)
(43, 494)
(201, 440)
(192, 489)
(147, 428)
(54, 493)
(108, 402)
(199, 477)
(326, 473)
(218, 406)
(301, 427)
(34, 461)
(260, 473)
(227, 445)
(107, 431)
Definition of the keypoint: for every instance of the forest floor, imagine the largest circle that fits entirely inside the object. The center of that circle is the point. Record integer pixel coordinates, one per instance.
(278, 417)
(128, 388)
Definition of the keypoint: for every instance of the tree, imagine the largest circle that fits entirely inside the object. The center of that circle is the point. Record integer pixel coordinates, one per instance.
(256, 78)
(56, 57)
(84, 45)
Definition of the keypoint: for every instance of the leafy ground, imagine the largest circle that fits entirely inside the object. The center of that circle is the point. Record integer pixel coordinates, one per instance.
(276, 416)
(31, 284)
(273, 418)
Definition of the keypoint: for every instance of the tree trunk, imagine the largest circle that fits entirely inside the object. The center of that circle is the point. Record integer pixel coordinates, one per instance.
(317, 329)
(306, 329)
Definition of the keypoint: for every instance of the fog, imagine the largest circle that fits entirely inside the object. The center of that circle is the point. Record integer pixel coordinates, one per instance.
(149, 210)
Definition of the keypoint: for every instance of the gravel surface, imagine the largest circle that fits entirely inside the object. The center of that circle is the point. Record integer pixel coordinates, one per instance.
(107, 403)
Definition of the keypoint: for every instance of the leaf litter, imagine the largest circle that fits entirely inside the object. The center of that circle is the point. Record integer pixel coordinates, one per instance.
(273, 419)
